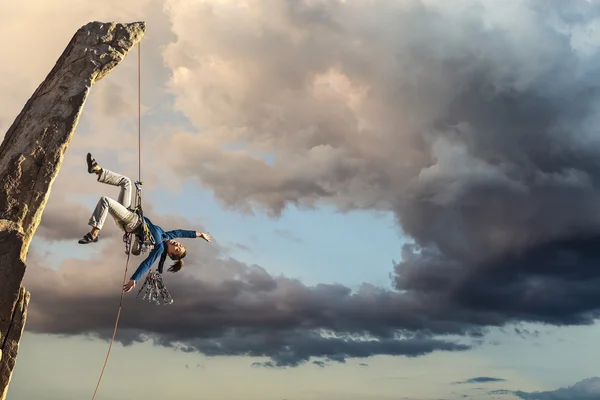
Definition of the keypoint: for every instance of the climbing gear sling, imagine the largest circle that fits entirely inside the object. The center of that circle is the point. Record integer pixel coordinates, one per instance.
(155, 289)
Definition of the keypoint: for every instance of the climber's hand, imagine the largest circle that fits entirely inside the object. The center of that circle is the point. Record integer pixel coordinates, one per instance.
(206, 236)
(128, 286)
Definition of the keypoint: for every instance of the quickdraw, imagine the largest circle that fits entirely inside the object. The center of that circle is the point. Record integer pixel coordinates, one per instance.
(155, 288)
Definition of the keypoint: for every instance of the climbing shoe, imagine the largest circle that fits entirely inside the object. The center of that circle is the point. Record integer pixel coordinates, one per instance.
(88, 239)
(92, 165)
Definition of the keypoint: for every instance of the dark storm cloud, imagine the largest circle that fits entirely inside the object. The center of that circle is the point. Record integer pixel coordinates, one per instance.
(475, 123)
(293, 349)
(223, 307)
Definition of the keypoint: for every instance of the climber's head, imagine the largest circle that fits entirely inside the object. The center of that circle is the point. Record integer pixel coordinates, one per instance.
(176, 252)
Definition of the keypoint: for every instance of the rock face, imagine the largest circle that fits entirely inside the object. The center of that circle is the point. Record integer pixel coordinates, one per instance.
(31, 155)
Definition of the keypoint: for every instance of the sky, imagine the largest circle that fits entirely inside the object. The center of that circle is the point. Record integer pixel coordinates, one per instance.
(404, 197)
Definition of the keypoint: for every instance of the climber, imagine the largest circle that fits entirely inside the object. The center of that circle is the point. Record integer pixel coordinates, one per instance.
(128, 221)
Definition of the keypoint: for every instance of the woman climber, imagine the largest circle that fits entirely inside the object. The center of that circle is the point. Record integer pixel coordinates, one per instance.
(129, 221)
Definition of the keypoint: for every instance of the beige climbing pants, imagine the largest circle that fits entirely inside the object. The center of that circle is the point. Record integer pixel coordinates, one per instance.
(125, 219)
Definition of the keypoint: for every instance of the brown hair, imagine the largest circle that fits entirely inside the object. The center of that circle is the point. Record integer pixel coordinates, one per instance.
(178, 263)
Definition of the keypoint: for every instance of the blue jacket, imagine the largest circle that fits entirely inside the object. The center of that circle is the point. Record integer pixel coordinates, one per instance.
(159, 237)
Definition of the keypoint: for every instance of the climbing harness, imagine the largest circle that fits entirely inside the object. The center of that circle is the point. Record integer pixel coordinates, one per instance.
(143, 241)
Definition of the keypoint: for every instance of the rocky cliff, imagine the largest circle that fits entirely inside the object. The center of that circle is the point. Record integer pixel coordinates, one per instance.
(31, 155)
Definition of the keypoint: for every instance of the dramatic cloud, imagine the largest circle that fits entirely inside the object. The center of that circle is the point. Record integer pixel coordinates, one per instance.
(224, 307)
(474, 122)
(587, 389)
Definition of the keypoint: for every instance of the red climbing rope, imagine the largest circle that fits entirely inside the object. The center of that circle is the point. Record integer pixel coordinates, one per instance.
(129, 250)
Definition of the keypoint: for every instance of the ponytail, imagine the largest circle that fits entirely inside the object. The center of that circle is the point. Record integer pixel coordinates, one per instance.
(173, 268)
(161, 262)
(177, 266)
(178, 263)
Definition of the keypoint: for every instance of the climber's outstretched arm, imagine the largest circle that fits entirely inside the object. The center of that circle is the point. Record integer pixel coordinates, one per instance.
(184, 233)
(144, 267)
(205, 236)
